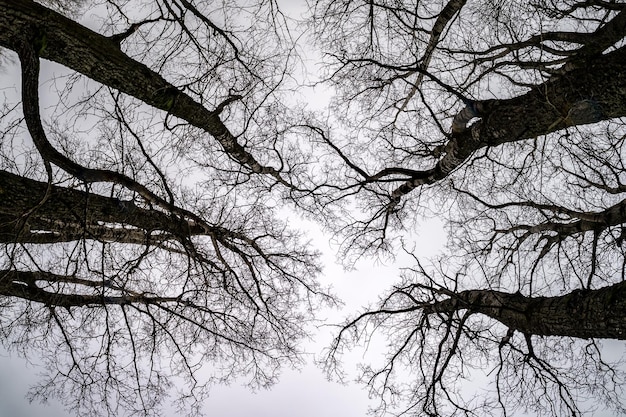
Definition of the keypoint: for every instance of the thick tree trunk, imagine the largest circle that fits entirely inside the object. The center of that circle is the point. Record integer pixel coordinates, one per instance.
(593, 91)
(584, 314)
(31, 214)
(23, 284)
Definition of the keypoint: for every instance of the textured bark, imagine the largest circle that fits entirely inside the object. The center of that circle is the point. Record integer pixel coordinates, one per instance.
(23, 284)
(98, 57)
(28, 215)
(593, 91)
(583, 314)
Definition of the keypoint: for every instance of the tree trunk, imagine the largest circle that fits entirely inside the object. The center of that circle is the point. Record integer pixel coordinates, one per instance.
(23, 284)
(583, 314)
(28, 215)
(593, 91)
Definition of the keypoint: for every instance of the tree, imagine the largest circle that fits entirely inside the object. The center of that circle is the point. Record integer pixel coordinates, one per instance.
(140, 218)
(140, 235)
(505, 119)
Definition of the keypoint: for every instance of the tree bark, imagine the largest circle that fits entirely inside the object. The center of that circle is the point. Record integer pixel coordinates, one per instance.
(599, 313)
(98, 57)
(31, 214)
(593, 91)
(23, 284)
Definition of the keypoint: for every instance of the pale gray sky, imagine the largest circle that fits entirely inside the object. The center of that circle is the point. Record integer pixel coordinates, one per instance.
(302, 394)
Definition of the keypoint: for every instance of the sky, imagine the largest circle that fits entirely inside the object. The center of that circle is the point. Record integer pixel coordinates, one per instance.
(304, 393)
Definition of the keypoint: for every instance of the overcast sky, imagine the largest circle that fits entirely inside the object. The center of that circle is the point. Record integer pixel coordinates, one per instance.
(301, 394)
(298, 394)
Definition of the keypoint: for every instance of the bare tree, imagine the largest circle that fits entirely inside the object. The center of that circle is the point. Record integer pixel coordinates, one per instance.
(141, 186)
(504, 119)
(139, 195)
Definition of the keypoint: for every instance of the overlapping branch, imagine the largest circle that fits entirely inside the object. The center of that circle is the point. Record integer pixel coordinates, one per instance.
(99, 58)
